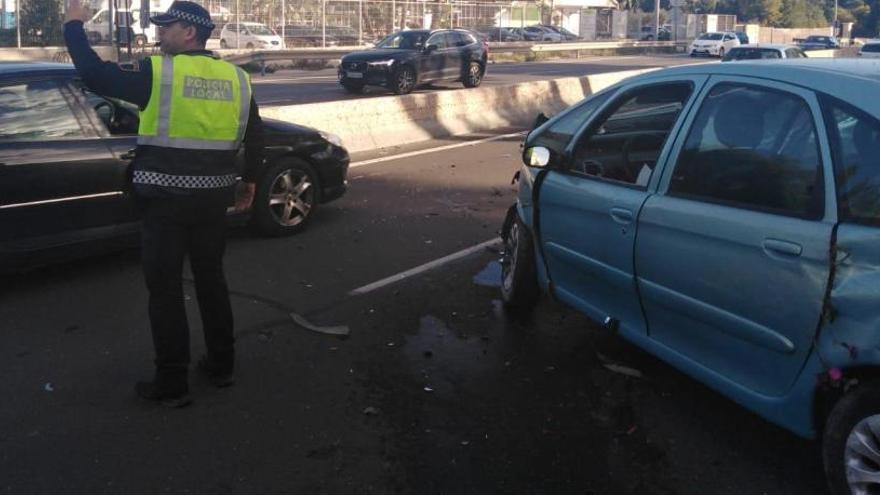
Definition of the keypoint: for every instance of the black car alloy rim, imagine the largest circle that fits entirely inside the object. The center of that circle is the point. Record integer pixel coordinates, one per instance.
(405, 79)
(291, 197)
(475, 73)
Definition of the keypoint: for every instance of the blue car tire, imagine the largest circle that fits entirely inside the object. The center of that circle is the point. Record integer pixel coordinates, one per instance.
(519, 280)
(851, 442)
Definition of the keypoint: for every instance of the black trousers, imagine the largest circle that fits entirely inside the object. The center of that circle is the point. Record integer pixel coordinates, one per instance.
(174, 228)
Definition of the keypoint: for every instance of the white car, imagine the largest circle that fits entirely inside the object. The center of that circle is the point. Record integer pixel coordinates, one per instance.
(713, 44)
(763, 51)
(249, 35)
(871, 49)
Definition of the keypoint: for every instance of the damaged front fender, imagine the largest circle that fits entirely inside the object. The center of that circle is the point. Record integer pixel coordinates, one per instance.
(850, 334)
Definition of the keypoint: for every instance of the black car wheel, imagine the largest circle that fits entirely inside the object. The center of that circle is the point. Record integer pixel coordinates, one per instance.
(353, 87)
(474, 76)
(404, 80)
(249, 46)
(286, 198)
(223, 44)
(721, 52)
(851, 442)
(519, 279)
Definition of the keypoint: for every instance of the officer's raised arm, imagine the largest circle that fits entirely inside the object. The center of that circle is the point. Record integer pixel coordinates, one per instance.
(131, 82)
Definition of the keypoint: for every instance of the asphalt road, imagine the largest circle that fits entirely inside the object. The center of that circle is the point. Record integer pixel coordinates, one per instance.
(436, 391)
(291, 87)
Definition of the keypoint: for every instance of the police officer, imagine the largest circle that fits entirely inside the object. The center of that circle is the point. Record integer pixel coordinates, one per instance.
(195, 111)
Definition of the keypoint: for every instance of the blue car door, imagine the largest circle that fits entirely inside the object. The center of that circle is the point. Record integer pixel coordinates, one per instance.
(587, 209)
(733, 252)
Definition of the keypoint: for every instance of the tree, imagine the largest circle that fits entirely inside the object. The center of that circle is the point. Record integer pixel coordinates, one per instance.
(41, 22)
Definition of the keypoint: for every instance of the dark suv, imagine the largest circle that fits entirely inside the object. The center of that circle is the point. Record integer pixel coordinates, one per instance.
(403, 60)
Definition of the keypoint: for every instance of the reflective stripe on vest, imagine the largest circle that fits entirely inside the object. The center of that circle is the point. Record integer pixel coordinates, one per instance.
(197, 102)
(183, 181)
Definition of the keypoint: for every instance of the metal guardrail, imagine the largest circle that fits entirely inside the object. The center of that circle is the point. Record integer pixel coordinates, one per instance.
(262, 56)
(240, 57)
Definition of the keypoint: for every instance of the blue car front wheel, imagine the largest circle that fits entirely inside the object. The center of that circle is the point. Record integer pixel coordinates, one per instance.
(519, 280)
(851, 442)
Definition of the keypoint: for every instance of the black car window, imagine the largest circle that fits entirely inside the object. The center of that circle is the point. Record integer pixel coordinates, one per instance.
(855, 145)
(463, 39)
(557, 134)
(37, 110)
(437, 39)
(403, 40)
(120, 118)
(871, 48)
(754, 148)
(625, 145)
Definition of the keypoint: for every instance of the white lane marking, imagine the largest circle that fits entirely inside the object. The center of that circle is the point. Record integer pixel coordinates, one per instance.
(422, 268)
(290, 79)
(433, 150)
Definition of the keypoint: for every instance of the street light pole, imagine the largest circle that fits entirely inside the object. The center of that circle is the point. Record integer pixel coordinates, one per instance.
(656, 20)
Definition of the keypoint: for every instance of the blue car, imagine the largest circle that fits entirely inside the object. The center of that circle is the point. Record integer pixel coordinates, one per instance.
(725, 218)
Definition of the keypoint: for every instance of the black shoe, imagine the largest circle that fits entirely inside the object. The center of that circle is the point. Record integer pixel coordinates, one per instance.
(168, 398)
(219, 377)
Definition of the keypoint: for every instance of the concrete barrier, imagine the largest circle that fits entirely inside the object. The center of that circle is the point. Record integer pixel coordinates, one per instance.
(373, 123)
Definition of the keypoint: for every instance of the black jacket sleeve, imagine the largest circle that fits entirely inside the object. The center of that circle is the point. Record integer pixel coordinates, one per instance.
(253, 145)
(129, 82)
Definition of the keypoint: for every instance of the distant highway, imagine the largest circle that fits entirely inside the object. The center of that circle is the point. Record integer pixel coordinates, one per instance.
(291, 87)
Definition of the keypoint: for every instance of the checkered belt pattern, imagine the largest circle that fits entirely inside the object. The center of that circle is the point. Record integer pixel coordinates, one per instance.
(183, 181)
(192, 19)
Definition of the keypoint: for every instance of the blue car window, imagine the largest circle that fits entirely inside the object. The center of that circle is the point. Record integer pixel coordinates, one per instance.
(753, 148)
(557, 133)
(625, 145)
(855, 144)
(36, 111)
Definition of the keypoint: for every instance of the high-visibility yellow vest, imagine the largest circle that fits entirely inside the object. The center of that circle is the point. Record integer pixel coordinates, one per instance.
(197, 103)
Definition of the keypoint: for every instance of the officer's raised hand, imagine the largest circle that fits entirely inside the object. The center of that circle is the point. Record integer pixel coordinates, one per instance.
(76, 11)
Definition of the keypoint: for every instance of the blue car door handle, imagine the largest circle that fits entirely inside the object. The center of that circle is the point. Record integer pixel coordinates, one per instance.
(621, 215)
(785, 248)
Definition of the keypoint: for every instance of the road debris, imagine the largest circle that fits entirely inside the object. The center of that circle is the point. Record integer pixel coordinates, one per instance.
(48, 387)
(340, 330)
(623, 370)
(371, 411)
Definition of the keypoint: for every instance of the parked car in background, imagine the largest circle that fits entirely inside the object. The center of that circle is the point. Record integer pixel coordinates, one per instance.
(405, 59)
(344, 35)
(538, 32)
(815, 42)
(763, 51)
(504, 34)
(65, 153)
(870, 49)
(298, 35)
(713, 44)
(647, 34)
(564, 33)
(249, 35)
(742, 37)
(725, 218)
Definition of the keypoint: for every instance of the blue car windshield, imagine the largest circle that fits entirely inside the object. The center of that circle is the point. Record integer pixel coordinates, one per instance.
(403, 41)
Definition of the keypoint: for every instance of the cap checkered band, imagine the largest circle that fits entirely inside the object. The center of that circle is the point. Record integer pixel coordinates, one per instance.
(190, 18)
(183, 181)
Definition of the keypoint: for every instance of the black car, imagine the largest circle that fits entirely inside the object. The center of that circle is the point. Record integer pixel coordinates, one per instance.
(64, 155)
(297, 36)
(403, 60)
(816, 42)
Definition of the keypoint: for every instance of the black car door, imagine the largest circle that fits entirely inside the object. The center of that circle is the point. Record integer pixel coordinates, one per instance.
(458, 52)
(59, 182)
(434, 57)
